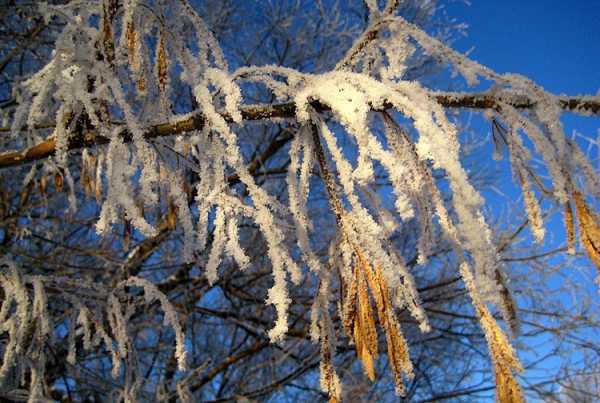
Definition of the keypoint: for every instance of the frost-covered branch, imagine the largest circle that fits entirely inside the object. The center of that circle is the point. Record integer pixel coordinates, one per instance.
(374, 198)
(583, 105)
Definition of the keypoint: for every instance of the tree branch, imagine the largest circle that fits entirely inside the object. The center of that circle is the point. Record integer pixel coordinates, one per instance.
(485, 100)
(29, 36)
(227, 362)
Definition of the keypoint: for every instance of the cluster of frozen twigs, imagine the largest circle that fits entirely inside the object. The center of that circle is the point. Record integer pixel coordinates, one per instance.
(107, 90)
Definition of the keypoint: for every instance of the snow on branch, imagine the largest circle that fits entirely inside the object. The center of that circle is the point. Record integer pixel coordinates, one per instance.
(107, 84)
(583, 105)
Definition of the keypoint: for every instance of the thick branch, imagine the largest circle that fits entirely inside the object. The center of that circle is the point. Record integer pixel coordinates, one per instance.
(486, 100)
(227, 362)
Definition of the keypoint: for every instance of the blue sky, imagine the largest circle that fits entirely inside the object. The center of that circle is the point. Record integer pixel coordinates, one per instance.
(556, 43)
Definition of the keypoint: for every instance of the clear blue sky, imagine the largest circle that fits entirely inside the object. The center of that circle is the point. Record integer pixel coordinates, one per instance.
(554, 42)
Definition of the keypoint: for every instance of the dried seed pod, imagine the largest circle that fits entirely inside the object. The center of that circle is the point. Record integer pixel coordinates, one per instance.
(162, 64)
(589, 231)
(134, 53)
(358, 316)
(570, 228)
(349, 306)
(42, 186)
(397, 352)
(502, 354)
(172, 216)
(132, 39)
(58, 181)
(397, 345)
(88, 172)
(107, 37)
(365, 334)
(86, 183)
(141, 84)
(503, 357)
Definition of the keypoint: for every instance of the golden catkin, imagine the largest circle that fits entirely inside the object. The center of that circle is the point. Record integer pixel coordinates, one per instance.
(131, 36)
(397, 352)
(397, 346)
(328, 375)
(172, 217)
(570, 228)
(349, 306)
(134, 55)
(365, 334)
(589, 232)
(162, 64)
(42, 186)
(58, 181)
(141, 84)
(107, 37)
(88, 173)
(359, 317)
(504, 359)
